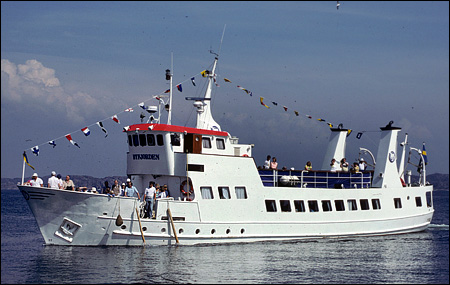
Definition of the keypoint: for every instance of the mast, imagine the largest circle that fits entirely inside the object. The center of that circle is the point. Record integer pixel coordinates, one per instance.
(169, 77)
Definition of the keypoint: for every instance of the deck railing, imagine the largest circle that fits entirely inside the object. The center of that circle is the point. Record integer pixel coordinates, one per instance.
(315, 179)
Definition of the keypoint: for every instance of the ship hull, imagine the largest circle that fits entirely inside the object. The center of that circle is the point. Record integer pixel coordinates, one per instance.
(86, 219)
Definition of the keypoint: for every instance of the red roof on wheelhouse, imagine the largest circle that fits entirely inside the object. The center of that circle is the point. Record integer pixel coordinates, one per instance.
(173, 128)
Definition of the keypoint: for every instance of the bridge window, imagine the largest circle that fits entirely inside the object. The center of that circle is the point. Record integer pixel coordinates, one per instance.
(429, 200)
(285, 205)
(313, 206)
(299, 206)
(397, 203)
(224, 193)
(241, 193)
(326, 206)
(206, 142)
(135, 140)
(160, 139)
(418, 201)
(271, 206)
(130, 140)
(175, 139)
(220, 143)
(352, 205)
(142, 140)
(151, 139)
(207, 193)
(376, 204)
(364, 204)
(339, 204)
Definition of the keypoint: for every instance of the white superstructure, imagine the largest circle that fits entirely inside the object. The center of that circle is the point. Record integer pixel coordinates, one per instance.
(231, 200)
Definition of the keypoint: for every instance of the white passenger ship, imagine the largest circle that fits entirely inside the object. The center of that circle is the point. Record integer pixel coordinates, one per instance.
(229, 199)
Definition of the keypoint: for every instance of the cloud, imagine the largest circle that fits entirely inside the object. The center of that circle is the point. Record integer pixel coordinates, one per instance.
(37, 85)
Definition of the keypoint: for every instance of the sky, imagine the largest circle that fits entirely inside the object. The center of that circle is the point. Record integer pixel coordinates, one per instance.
(67, 65)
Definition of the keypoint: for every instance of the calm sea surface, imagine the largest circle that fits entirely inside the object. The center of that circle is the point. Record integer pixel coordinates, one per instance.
(409, 258)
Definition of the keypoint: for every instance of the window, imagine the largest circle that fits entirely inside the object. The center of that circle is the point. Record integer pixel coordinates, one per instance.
(130, 140)
(339, 204)
(224, 193)
(220, 143)
(429, 200)
(352, 205)
(271, 206)
(142, 140)
(206, 192)
(376, 204)
(206, 142)
(150, 139)
(160, 139)
(313, 206)
(364, 204)
(299, 206)
(326, 206)
(397, 203)
(175, 139)
(135, 140)
(418, 202)
(285, 205)
(241, 193)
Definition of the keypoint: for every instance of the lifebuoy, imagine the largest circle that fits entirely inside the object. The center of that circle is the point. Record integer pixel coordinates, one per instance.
(245, 155)
(183, 190)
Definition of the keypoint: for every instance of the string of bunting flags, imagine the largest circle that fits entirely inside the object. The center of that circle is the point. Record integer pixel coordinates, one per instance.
(86, 131)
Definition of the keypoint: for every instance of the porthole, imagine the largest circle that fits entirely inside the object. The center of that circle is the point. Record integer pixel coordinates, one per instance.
(144, 229)
(242, 231)
(163, 230)
(180, 231)
(228, 231)
(213, 231)
(123, 227)
(197, 231)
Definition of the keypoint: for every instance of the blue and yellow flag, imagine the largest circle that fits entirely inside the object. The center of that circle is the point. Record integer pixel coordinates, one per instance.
(25, 158)
(424, 154)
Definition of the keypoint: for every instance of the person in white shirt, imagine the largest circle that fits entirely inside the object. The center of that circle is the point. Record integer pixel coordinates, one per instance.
(334, 166)
(267, 163)
(36, 181)
(362, 164)
(53, 181)
(149, 198)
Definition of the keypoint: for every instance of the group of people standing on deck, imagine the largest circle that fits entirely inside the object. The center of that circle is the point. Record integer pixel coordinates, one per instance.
(153, 192)
(54, 182)
(344, 166)
(334, 166)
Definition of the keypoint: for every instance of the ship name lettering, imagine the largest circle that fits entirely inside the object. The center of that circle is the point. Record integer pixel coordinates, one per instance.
(146, 156)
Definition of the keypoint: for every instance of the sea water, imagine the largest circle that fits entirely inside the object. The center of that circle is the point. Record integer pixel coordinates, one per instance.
(408, 258)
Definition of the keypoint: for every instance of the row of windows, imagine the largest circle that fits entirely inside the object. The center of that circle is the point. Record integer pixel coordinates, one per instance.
(327, 205)
(206, 143)
(149, 140)
(223, 192)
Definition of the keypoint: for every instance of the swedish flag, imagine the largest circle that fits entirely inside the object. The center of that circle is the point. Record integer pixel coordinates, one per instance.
(25, 158)
(424, 154)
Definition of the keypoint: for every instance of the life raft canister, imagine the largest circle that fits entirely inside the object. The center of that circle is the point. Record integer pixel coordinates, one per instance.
(183, 190)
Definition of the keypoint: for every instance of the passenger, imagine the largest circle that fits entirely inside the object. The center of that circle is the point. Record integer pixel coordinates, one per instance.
(274, 163)
(122, 190)
(284, 168)
(165, 191)
(53, 181)
(267, 163)
(149, 198)
(355, 168)
(106, 189)
(131, 191)
(308, 166)
(115, 190)
(334, 166)
(158, 191)
(60, 182)
(362, 164)
(68, 184)
(94, 190)
(344, 165)
(36, 181)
